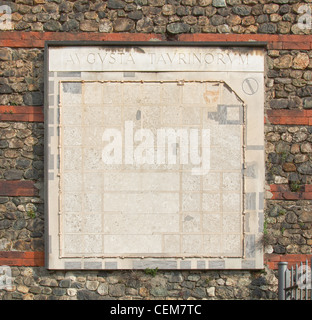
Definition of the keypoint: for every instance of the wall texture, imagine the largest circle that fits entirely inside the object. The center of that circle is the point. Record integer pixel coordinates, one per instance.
(288, 119)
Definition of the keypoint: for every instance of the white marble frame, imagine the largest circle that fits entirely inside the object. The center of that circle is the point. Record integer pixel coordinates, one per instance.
(254, 166)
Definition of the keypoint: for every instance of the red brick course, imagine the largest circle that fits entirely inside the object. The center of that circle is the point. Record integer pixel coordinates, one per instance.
(283, 192)
(21, 113)
(18, 258)
(272, 260)
(20, 39)
(289, 117)
(36, 259)
(18, 188)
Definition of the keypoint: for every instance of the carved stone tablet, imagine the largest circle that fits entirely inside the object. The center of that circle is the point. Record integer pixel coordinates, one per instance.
(155, 157)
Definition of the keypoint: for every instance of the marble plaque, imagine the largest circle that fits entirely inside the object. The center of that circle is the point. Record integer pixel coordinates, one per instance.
(147, 156)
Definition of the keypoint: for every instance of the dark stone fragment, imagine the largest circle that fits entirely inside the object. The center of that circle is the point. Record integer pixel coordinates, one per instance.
(4, 199)
(38, 150)
(22, 163)
(279, 249)
(65, 283)
(70, 25)
(4, 88)
(305, 168)
(33, 99)
(307, 103)
(5, 224)
(285, 8)
(178, 27)
(31, 174)
(268, 28)
(217, 20)
(279, 103)
(135, 15)
(263, 18)
(115, 4)
(3, 144)
(52, 25)
(241, 10)
(59, 291)
(13, 174)
(87, 295)
(101, 14)
(19, 224)
(305, 92)
(82, 6)
(181, 11)
(198, 11)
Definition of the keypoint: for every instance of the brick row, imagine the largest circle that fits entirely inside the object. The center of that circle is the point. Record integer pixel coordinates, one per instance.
(21, 113)
(18, 188)
(20, 39)
(283, 192)
(32, 39)
(272, 260)
(26, 259)
(289, 117)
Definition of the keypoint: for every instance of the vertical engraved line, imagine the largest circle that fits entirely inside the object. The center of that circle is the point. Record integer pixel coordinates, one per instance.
(60, 176)
(83, 89)
(243, 188)
(103, 173)
(180, 102)
(222, 253)
(203, 85)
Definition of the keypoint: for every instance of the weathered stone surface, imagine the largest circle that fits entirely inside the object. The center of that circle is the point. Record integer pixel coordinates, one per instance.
(115, 4)
(89, 26)
(283, 62)
(123, 24)
(307, 104)
(301, 61)
(176, 28)
(289, 167)
(33, 99)
(279, 103)
(145, 25)
(13, 174)
(116, 290)
(52, 25)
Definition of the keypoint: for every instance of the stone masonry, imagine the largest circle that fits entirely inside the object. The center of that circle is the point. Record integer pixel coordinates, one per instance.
(288, 137)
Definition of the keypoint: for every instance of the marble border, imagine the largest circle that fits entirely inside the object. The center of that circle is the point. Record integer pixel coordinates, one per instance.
(253, 171)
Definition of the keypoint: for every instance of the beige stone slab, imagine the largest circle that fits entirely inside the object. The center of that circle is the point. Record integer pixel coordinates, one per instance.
(231, 223)
(153, 203)
(145, 223)
(211, 202)
(212, 244)
(132, 244)
(231, 202)
(142, 181)
(154, 59)
(232, 244)
(146, 208)
(93, 243)
(191, 223)
(172, 244)
(192, 244)
(212, 223)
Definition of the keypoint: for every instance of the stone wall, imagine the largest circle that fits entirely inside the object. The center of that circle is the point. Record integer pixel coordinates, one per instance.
(288, 218)
(158, 16)
(40, 284)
